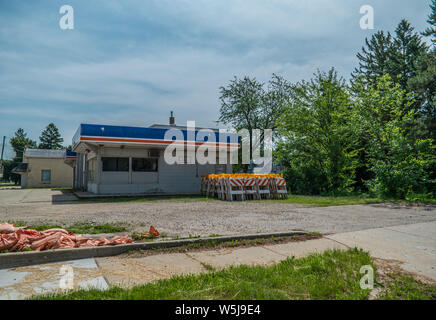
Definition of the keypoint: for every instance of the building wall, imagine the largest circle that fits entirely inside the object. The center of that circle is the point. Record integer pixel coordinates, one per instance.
(174, 179)
(61, 173)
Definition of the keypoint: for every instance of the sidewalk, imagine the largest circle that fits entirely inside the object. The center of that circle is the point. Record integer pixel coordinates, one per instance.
(23, 282)
(415, 245)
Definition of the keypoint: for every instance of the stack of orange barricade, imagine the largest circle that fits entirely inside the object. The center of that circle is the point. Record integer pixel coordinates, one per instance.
(244, 186)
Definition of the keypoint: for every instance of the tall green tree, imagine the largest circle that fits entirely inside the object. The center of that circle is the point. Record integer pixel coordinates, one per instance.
(423, 88)
(19, 143)
(375, 58)
(50, 138)
(431, 30)
(396, 56)
(400, 164)
(249, 104)
(8, 165)
(404, 57)
(406, 49)
(241, 102)
(316, 144)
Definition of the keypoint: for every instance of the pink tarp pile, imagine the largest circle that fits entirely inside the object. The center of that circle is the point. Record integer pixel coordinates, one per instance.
(19, 239)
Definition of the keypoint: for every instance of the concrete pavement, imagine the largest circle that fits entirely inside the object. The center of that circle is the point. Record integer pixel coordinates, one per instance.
(23, 282)
(181, 218)
(414, 245)
(32, 196)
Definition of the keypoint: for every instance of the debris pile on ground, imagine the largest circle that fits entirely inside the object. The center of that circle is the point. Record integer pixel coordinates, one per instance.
(21, 239)
(152, 233)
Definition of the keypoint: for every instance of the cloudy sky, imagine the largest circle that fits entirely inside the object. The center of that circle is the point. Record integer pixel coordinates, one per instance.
(131, 62)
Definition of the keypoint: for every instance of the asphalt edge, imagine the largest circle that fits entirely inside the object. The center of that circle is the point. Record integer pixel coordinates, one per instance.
(81, 196)
(21, 259)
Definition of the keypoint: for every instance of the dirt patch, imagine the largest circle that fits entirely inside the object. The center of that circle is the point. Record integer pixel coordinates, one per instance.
(385, 274)
(405, 205)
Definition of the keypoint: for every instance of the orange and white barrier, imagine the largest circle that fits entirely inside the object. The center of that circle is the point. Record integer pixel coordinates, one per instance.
(278, 185)
(203, 188)
(234, 187)
(264, 188)
(244, 186)
(251, 185)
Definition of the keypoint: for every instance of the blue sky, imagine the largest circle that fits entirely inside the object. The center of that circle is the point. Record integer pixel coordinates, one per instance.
(131, 62)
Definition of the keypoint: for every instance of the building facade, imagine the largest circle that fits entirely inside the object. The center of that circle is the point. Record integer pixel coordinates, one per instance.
(43, 168)
(130, 160)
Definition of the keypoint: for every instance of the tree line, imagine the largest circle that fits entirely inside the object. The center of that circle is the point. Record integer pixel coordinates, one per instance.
(50, 138)
(373, 134)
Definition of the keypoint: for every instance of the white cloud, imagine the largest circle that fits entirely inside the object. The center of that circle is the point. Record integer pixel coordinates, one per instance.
(132, 62)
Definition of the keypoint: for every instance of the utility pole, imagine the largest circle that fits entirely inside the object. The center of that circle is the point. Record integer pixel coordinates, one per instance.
(1, 159)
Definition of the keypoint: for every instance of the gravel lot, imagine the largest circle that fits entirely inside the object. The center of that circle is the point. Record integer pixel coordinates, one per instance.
(181, 218)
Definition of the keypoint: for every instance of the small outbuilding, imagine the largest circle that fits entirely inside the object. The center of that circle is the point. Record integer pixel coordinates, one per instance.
(45, 168)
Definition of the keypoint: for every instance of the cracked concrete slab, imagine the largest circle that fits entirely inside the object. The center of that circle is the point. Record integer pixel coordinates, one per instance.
(96, 283)
(425, 230)
(414, 245)
(23, 282)
(304, 248)
(224, 258)
(130, 271)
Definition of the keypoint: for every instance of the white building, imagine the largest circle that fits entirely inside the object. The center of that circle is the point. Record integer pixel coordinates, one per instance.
(130, 160)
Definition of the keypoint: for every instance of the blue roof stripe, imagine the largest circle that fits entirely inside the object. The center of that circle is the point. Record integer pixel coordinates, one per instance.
(69, 153)
(95, 130)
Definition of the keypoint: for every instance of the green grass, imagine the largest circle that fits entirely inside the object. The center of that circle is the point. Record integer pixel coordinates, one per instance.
(403, 287)
(314, 201)
(8, 185)
(420, 198)
(208, 267)
(331, 275)
(95, 229)
(305, 200)
(44, 227)
(7, 251)
(138, 236)
(322, 201)
(18, 223)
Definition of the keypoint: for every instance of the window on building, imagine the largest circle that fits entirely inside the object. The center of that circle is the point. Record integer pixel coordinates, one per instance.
(115, 164)
(45, 176)
(144, 164)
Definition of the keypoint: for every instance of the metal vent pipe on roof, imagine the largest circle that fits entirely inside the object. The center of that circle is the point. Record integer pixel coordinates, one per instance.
(172, 120)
